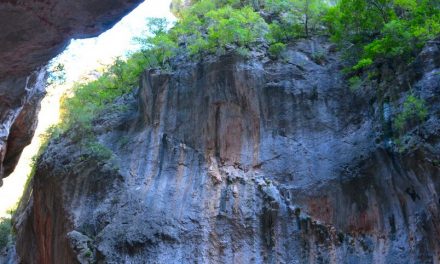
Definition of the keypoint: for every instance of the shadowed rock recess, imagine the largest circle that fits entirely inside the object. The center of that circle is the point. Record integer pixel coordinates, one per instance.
(32, 33)
(235, 160)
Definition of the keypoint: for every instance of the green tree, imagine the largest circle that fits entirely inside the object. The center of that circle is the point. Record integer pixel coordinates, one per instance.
(211, 26)
(413, 110)
(386, 29)
(296, 17)
(156, 44)
(310, 10)
(157, 25)
(57, 74)
(241, 27)
(276, 49)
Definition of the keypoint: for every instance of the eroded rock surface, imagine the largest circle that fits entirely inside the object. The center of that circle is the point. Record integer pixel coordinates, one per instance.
(18, 115)
(247, 161)
(33, 32)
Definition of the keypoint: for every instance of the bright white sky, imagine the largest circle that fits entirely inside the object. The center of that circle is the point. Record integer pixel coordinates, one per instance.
(81, 57)
(85, 55)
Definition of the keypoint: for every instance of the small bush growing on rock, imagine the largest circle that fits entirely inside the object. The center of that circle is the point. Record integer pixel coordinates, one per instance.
(355, 83)
(56, 74)
(297, 17)
(243, 52)
(91, 98)
(157, 46)
(413, 110)
(5, 232)
(318, 57)
(276, 49)
(97, 150)
(363, 63)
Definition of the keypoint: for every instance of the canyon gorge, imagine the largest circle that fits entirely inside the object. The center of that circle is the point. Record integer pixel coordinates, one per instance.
(223, 160)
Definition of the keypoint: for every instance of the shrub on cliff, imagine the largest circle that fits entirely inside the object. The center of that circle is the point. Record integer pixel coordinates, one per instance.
(386, 29)
(413, 111)
(89, 98)
(241, 27)
(297, 18)
(56, 74)
(157, 47)
(5, 232)
(207, 27)
(276, 49)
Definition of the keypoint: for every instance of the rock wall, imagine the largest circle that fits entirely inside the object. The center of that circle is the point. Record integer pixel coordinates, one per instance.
(18, 114)
(246, 161)
(33, 32)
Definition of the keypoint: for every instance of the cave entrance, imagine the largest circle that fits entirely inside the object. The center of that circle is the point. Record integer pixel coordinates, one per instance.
(82, 60)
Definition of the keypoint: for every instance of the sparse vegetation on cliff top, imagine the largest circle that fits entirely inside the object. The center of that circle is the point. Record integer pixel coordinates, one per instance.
(365, 31)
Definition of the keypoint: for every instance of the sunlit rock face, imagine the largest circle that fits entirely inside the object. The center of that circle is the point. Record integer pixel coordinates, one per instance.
(246, 161)
(32, 33)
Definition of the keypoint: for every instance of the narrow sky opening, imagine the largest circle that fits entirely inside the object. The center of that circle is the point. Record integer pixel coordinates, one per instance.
(80, 58)
(84, 55)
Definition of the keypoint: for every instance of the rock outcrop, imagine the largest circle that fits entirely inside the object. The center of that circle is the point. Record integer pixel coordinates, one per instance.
(33, 32)
(247, 161)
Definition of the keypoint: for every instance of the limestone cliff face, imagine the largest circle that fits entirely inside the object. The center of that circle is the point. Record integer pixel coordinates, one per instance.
(33, 32)
(246, 161)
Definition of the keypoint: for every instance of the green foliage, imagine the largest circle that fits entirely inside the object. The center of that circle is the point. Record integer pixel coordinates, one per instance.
(243, 52)
(163, 48)
(88, 253)
(5, 232)
(157, 25)
(213, 26)
(178, 6)
(91, 98)
(97, 150)
(363, 63)
(371, 30)
(276, 49)
(355, 83)
(157, 46)
(395, 41)
(241, 27)
(311, 11)
(278, 32)
(413, 110)
(57, 74)
(277, 6)
(88, 99)
(318, 57)
(383, 29)
(295, 18)
(123, 141)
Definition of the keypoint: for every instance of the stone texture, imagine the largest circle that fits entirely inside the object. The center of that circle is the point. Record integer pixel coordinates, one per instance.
(18, 116)
(247, 161)
(33, 32)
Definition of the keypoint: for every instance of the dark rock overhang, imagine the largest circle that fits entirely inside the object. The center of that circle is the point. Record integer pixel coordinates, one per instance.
(32, 33)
